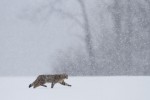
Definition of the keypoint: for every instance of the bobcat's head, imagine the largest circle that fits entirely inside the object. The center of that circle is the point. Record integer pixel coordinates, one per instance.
(65, 76)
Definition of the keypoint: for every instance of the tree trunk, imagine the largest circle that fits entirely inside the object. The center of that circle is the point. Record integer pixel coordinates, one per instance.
(117, 29)
(88, 37)
(127, 40)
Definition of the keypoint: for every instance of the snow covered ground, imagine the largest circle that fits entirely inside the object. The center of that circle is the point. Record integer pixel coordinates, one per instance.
(83, 88)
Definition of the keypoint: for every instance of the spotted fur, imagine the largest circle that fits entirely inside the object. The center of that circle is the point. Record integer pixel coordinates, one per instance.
(53, 79)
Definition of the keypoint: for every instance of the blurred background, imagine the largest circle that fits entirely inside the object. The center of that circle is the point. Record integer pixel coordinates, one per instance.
(78, 37)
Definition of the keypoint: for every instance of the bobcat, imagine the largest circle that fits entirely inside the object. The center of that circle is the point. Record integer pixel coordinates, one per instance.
(53, 79)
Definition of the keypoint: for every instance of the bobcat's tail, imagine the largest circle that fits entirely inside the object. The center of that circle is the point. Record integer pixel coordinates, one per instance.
(30, 85)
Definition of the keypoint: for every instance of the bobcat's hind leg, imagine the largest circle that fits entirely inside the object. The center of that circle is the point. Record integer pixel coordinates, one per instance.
(43, 85)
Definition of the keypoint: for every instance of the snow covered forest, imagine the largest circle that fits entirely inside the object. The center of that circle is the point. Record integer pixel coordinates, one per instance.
(78, 37)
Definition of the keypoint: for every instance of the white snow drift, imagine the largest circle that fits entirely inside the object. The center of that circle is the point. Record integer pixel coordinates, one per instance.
(83, 88)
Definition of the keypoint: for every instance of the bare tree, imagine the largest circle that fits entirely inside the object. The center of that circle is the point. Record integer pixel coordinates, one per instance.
(127, 38)
(117, 17)
(88, 36)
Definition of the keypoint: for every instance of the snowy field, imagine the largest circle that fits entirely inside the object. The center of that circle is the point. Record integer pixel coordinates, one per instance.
(83, 88)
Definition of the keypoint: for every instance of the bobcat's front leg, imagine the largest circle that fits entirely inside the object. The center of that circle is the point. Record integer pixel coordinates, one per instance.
(44, 85)
(64, 83)
(52, 85)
